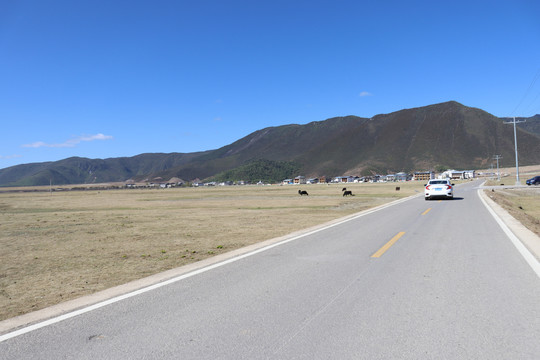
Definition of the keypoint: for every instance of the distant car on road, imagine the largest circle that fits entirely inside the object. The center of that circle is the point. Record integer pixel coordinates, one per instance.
(533, 181)
(439, 188)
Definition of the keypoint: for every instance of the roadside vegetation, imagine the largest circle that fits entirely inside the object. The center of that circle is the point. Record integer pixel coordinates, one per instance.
(523, 203)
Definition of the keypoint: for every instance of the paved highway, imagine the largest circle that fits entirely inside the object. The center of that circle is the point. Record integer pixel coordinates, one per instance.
(417, 280)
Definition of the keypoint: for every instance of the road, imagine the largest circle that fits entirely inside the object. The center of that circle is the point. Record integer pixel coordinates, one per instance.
(417, 280)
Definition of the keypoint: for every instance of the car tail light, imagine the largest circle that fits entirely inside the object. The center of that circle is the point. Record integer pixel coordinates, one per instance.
(427, 187)
(448, 187)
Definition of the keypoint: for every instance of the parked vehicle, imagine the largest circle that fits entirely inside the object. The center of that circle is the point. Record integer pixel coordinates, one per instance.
(439, 188)
(533, 181)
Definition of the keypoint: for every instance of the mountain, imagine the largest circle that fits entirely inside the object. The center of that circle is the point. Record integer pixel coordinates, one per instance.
(446, 135)
(76, 170)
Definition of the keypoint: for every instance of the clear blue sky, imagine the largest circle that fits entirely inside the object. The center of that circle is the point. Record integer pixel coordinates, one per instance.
(104, 79)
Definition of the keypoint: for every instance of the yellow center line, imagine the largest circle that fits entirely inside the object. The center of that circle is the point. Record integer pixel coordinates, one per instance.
(387, 245)
(425, 212)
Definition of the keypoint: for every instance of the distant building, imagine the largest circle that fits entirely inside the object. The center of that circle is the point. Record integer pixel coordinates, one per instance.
(458, 174)
(469, 174)
(424, 175)
(401, 176)
(176, 181)
(287, 182)
(344, 179)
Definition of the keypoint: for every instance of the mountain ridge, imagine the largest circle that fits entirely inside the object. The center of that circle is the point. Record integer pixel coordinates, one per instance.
(448, 134)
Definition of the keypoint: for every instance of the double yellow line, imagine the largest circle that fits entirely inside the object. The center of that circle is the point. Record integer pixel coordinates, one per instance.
(392, 241)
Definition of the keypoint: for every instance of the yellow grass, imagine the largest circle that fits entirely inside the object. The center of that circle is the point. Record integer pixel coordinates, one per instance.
(62, 245)
(522, 203)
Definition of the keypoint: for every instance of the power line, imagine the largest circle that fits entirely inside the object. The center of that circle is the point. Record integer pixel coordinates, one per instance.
(530, 107)
(535, 78)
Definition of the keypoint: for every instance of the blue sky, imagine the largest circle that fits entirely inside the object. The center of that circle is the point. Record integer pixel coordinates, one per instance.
(102, 79)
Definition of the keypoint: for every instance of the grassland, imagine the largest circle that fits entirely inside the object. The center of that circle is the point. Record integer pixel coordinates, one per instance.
(62, 245)
(523, 203)
(58, 246)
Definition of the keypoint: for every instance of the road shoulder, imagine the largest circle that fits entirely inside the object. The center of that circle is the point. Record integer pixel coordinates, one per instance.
(529, 239)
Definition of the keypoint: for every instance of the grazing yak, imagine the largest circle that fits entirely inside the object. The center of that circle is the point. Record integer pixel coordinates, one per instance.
(302, 192)
(347, 193)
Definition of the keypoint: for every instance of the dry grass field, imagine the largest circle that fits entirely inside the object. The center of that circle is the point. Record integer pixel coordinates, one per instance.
(522, 203)
(62, 245)
(508, 174)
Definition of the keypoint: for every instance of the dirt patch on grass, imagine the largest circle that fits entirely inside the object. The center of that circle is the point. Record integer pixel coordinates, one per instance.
(62, 245)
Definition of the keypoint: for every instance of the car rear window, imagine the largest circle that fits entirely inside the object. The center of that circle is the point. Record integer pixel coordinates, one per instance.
(438, 182)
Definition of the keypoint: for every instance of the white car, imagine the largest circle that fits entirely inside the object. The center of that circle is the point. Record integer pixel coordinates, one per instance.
(439, 188)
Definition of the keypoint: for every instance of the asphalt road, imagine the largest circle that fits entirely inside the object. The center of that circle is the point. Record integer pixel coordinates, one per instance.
(449, 284)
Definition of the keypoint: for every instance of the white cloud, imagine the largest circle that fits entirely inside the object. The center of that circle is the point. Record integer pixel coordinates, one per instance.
(365, 93)
(37, 145)
(70, 142)
(95, 137)
(7, 157)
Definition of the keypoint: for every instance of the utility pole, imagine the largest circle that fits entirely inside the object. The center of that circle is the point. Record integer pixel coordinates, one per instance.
(515, 145)
(497, 157)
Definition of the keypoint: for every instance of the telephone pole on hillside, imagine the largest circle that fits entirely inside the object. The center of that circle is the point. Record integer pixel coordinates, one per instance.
(515, 145)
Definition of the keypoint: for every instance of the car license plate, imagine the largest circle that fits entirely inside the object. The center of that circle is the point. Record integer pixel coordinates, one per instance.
(438, 189)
